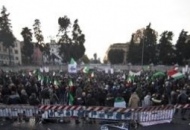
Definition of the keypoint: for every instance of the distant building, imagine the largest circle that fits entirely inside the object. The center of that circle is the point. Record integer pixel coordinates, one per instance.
(15, 54)
(54, 53)
(122, 46)
(37, 56)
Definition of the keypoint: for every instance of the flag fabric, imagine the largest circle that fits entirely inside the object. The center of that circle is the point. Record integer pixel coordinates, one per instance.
(92, 75)
(134, 73)
(41, 69)
(30, 73)
(73, 61)
(120, 102)
(39, 77)
(34, 71)
(158, 74)
(124, 76)
(46, 69)
(56, 82)
(72, 67)
(172, 71)
(71, 99)
(130, 78)
(70, 83)
(85, 69)
(178, 76)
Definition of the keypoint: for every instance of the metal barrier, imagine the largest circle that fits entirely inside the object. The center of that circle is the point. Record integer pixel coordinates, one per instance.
(154, 115)
(145, 116)
(18, 110)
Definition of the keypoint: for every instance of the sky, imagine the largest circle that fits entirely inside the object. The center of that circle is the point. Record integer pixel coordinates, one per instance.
(103, 22)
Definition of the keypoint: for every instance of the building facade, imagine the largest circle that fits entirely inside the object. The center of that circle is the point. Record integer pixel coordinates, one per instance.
(119, 46)
(15, 54)
(54, 56)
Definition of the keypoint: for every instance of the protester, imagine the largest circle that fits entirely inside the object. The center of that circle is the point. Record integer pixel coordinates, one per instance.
(100, 90)
(134, 100)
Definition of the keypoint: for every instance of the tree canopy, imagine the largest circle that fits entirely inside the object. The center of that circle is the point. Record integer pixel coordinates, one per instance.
(6, 35)
(70, 46)
(116, 56)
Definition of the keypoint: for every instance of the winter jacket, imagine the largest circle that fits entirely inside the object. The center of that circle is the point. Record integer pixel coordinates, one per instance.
(147, 101)
(134, 100)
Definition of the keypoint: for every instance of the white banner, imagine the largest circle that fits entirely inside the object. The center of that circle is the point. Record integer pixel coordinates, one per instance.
(148, 118)
(134, 73)
(72, 68)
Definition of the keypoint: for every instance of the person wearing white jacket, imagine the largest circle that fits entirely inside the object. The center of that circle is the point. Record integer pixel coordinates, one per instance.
(147, 100)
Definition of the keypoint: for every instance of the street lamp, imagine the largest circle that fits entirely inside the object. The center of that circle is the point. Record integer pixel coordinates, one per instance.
(142, 58)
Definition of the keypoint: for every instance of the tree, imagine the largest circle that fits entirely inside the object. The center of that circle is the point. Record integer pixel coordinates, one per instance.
(149, 40)
(70, 47)
(65, 42)
(116, 56)
(166, 52)
(78, 48)
(27, 49)
(6, 35)
(181, 48)
(134, 52)
(38, 35)
(85, 59)
(37, 31)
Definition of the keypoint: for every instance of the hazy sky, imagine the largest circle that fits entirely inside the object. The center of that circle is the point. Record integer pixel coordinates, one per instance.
(102, 21)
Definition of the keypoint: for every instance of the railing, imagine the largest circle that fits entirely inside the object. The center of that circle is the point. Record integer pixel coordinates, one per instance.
(145, 116)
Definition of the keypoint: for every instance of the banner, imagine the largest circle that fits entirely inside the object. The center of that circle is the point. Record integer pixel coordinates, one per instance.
(110, 115)
(147, 118)
(134, 73)
(72, 68)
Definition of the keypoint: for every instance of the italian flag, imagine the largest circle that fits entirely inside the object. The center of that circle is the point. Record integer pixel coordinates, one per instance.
(71, 99)
(172, 72)
(178, 75)
(175, 74)
(119, 102)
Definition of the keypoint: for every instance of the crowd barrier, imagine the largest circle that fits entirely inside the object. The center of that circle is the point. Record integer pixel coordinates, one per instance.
(145, 116)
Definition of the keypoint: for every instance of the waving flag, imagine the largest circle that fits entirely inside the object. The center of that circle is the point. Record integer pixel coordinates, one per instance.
(72, 67)
(172, 72)
(85, 69)
(178, 76)
(134, 73)
(70, 83)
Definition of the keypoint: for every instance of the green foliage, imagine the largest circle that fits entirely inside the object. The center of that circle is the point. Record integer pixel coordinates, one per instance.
(149, 40)
(116, 56)
(64, 23)
(70, 47)
(6, 35)
(38, 34)
(182, 52)
(165, 50)
(147, 47)
(134, 52)
(85, 59)
(27, 49)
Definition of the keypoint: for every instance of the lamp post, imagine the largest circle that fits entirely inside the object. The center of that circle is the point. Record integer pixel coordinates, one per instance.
(142, 58)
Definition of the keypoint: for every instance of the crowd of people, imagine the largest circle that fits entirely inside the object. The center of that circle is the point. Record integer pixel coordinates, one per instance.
(101, 89)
